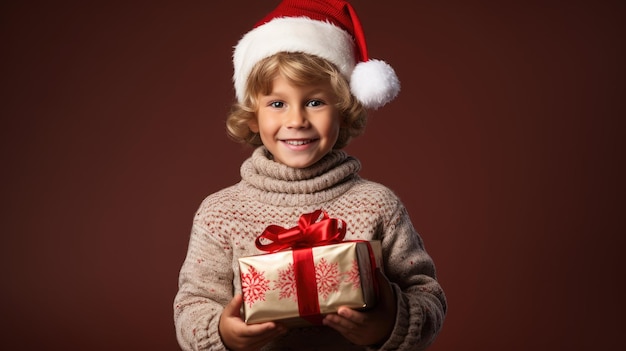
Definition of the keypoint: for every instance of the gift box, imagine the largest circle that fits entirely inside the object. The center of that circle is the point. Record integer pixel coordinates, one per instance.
(308, 273)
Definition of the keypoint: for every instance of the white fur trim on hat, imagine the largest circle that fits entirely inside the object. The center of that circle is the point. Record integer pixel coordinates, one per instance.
(292, 34)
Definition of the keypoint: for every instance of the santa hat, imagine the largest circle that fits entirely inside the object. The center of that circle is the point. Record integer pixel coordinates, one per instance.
(329, 29)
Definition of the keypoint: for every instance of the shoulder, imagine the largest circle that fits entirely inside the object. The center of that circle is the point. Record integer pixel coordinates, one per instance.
(223, 194)
(378, 200)
(373, 191)
(222, 201)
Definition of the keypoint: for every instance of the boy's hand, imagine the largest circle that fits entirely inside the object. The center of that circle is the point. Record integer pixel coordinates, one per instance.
(368, 327)
(239, 336)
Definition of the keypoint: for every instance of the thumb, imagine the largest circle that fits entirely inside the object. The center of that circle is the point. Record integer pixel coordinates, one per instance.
(233, 308)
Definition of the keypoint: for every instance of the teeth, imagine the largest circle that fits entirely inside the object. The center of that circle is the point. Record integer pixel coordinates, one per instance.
(297, 142)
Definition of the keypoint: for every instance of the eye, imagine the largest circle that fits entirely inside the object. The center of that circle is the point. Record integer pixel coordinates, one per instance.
(315, 103)
(277, 104)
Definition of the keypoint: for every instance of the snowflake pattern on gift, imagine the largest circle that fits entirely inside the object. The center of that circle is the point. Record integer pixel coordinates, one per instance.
(254, 286)
(353, 276)
(286, 283)
(328, 278)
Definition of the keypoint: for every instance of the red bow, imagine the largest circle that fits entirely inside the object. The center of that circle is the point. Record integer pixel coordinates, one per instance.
(313, 229)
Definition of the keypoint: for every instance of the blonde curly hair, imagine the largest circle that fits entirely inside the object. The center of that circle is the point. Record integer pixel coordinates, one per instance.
(299, 69)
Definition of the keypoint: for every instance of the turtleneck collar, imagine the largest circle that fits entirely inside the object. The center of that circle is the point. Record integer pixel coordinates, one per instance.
(270, 181)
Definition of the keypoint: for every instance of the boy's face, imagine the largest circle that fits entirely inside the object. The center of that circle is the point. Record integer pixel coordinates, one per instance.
(298, 125)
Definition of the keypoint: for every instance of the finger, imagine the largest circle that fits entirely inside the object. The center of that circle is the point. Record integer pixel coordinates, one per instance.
(232, 309)
(343, 326)
(339, 323)
(351, 315)
(270, 334)
(336, 324)
(258, 335)
(267, 330)
(255, 330)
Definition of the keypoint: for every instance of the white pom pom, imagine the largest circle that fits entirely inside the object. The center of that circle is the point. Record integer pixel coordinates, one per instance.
(374, 83)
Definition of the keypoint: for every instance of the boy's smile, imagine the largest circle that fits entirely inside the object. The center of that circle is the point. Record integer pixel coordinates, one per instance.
(297, 124)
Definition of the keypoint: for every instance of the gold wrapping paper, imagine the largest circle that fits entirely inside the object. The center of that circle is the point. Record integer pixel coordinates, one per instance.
(343, 277)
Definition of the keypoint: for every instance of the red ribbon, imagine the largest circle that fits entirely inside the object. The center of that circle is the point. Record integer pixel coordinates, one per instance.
(314, 229)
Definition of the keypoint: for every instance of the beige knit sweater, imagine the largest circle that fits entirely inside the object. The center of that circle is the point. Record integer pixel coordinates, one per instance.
(227, 223)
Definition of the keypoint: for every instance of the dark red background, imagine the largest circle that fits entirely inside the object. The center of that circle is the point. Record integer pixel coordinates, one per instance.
(505, 144)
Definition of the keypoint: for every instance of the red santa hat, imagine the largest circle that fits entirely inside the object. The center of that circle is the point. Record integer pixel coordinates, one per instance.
(329, 29)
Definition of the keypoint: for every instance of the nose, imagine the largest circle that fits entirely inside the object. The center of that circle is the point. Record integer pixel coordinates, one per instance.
(296, 118)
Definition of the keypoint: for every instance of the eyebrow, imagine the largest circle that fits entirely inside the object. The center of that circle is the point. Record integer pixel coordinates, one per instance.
(313, 91)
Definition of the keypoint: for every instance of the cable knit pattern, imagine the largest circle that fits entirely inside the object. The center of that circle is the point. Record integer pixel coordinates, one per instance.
(228, 221)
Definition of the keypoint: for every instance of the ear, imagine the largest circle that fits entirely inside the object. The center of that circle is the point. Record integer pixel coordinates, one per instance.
(253, 125)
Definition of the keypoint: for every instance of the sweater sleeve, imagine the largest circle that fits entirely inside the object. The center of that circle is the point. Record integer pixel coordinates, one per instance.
(421, 303)
(204, 287)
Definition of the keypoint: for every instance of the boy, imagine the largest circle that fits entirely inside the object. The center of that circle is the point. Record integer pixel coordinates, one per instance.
(302, 95)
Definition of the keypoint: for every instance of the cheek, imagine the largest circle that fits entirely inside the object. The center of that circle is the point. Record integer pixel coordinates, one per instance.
(267, 125)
